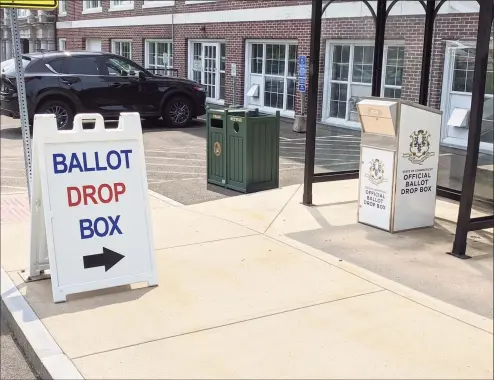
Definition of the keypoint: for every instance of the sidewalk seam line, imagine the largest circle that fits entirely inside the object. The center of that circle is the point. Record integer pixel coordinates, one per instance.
(282, 209)
(382, 287)
(232, 323)
(208, 241)
(223, 219)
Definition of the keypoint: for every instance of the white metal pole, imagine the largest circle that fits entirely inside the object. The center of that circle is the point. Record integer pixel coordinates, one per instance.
(21, 93)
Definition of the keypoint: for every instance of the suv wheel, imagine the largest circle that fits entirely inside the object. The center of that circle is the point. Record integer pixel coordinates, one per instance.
(178, 112)
(62, 111)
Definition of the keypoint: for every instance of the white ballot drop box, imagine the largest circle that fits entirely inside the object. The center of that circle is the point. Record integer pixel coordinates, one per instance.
(400, 145)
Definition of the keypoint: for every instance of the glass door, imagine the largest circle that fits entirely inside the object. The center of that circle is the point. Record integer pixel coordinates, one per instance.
(209, 69)
(458, 89)
(207, 64)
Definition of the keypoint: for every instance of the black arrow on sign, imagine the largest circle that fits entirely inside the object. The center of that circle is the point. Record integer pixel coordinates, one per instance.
(106, 259)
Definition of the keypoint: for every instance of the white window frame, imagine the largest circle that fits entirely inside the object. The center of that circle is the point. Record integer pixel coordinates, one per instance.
(284, 112)
(60, 41)
(115, 7)
(62, 8)
(158, 3)
(325, 118)
(190, 58)
(87, 10)
(119, 41)
(169, 64)
(23, 13)
(384, 72)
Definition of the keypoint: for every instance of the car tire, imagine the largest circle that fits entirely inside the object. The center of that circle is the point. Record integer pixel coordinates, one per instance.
(177, 112)
(63, 112)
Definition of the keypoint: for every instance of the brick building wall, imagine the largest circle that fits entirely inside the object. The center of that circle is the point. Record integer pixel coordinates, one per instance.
(408, 29)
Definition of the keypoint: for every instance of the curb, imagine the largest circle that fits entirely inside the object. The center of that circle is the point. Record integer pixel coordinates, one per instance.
(163, 198)
(44, 354)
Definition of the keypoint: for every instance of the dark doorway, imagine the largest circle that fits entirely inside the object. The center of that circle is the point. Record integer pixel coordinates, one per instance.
(24, 45)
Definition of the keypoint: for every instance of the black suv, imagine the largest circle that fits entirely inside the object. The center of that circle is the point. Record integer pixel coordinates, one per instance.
(67, 83)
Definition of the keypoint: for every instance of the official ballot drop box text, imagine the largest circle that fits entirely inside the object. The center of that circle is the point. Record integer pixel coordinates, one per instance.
(399, 164)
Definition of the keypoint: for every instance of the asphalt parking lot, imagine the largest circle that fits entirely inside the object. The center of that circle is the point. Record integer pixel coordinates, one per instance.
(176, 159)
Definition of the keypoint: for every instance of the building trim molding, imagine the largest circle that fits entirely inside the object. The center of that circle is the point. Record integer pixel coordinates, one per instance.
(297, 12)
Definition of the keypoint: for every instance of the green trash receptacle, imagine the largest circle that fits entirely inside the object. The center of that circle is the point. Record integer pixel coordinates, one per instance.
(215, 157)
(248, 148)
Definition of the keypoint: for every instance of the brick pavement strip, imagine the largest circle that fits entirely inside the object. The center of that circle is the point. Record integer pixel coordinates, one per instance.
(14, 208)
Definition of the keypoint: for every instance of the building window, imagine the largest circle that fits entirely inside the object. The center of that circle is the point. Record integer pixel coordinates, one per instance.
(62, 44)
(90, 6)
(93, 44)
(394, 70)
(275, 63)
(207, 64)
(223, 59)
(62, 7)
(158, 56)
(21, 13)
(463, 70)
(123, 48)
(350, 72)
(121, 5)
(190, 2)
(158, 3)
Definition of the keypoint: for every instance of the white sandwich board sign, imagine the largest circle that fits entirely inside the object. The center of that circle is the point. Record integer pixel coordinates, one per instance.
(90, 208)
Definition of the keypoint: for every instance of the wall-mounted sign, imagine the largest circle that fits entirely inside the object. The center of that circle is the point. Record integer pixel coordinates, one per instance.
(301, 71)
(197, 65)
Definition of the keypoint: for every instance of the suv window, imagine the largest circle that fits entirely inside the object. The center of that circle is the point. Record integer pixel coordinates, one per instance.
(80, 66)
(56, 65)
(121, 67)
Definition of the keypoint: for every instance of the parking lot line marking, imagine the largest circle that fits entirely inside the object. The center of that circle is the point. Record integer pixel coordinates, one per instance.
(175, 152)
(176, 158)
(324, 137)
(325, 159)
(165, 150)
(175, 180)
(339, 141)
(332, 149)
(177, 165)
(167, 172)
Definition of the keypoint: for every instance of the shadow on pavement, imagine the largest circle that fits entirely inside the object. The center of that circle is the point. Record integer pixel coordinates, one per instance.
(13, 133)
(39, 296)
(196, 128)
(416, 259)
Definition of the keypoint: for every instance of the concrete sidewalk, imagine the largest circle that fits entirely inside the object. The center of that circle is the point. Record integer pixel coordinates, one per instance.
(247, 291)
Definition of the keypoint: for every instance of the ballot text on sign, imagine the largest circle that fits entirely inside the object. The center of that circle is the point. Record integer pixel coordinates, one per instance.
(94, 203)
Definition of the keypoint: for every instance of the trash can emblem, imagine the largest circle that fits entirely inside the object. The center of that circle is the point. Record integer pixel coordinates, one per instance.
(217, 149)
